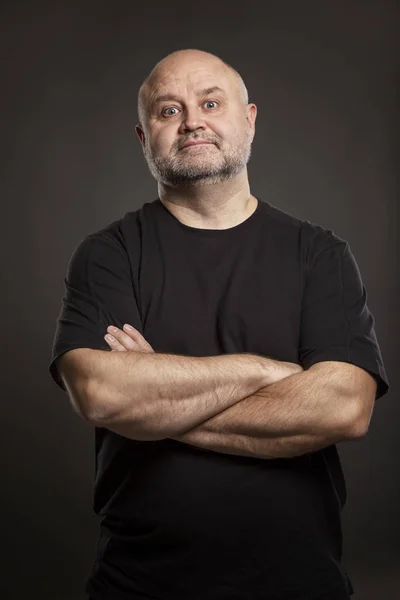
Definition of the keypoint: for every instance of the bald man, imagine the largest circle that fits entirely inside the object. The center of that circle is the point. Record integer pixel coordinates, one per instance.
(221, 348)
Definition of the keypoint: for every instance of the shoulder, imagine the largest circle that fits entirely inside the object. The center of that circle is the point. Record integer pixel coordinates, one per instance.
(318, 239)
(123, 233)
(312, 238)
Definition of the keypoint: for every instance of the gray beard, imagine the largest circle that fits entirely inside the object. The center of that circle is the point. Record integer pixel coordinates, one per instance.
(166, 171)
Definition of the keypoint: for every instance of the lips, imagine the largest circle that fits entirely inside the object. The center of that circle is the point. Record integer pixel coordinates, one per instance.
(192, 143)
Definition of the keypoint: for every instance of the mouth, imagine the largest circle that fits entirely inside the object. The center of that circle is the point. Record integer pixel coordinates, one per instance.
(192, 144)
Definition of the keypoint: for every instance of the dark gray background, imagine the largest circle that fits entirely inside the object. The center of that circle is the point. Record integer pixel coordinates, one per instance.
(324, 78)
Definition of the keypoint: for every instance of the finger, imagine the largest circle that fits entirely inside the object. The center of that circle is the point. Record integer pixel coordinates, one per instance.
(114, 343)
(130, 338)
(134, 334)
(127, 342)
(140, 343)
(138, 337)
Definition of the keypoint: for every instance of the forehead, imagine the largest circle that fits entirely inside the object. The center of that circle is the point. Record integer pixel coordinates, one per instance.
(194, 78)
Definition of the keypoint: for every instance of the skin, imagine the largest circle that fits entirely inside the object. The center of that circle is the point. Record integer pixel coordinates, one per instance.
(126, 339)
(204, 186)
(207, 187)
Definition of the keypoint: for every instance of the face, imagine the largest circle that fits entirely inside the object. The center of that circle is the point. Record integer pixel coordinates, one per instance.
(195, 100)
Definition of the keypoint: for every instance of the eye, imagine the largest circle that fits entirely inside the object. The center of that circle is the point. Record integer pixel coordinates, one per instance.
(210, 102)
(169, 108)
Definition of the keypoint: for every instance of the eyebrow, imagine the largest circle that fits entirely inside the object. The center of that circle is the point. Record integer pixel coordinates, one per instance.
(204, 92)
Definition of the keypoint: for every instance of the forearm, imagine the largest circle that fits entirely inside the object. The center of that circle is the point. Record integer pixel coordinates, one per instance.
(302, 405)
(256, 447)
(154, 395)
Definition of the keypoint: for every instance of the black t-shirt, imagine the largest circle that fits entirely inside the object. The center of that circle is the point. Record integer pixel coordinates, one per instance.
(180, 522)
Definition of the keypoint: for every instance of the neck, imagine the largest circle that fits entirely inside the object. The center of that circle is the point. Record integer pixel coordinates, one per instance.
(217, 206)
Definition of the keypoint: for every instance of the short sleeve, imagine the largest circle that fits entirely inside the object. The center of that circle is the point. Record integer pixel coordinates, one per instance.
(336, 323)
(98, 292)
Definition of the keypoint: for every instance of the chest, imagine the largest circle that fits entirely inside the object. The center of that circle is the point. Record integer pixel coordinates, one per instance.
(206, 300)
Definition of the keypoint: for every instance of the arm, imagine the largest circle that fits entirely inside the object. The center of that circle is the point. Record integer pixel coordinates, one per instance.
(241, 429)
(152, 396)
(329, 403)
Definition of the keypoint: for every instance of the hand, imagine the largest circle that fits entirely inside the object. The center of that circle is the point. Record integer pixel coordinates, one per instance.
(276, 370)
(127, 340)
(292, 368)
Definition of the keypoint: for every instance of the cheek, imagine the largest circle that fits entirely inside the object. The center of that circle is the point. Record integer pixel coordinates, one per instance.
(228, 129)
(238, 130)
(163, 141)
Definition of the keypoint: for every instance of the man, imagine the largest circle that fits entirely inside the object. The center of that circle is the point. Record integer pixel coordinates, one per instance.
(251, 354)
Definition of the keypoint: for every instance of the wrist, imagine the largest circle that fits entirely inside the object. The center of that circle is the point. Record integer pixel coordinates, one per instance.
(275, 370)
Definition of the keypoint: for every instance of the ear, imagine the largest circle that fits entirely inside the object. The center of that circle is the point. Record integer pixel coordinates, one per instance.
(251, 114)
(140, 134)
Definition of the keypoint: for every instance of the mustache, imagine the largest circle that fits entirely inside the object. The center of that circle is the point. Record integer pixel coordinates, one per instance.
(196, 138)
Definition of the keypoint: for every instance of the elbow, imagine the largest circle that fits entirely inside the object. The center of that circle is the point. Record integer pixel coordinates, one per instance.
(107, 412)
(97, 409)
(358, 406)
(356, 430)
(80, 400)
(356, 423)
(94, 414)
(85, 393)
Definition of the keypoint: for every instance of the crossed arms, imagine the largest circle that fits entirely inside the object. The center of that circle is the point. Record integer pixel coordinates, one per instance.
(301, 413)
(236, 404)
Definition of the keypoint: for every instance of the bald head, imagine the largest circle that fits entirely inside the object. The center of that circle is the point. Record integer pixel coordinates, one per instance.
(182, 58)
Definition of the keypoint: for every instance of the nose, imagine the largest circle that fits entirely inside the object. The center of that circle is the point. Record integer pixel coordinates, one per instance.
(192, 119)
